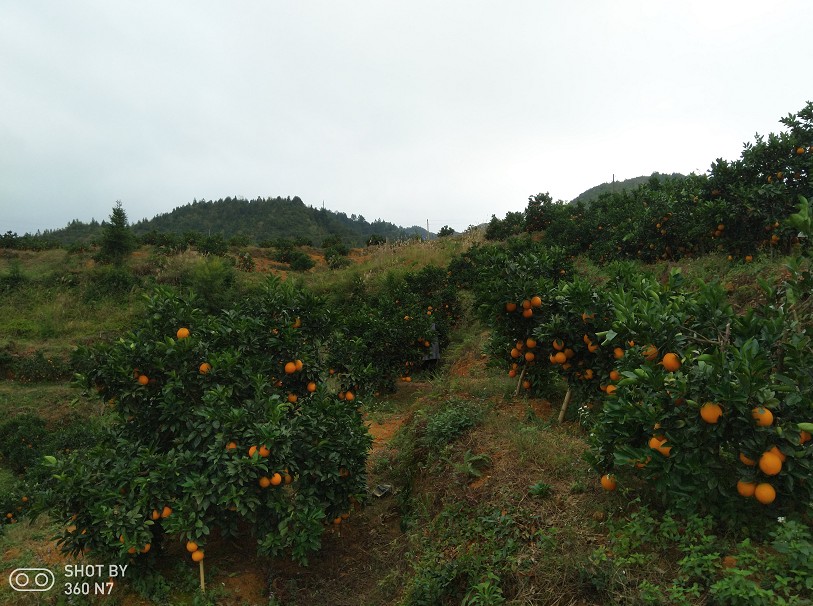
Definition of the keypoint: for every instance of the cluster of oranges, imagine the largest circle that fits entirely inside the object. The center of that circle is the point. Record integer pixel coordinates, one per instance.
(527, 306)
(197, 552)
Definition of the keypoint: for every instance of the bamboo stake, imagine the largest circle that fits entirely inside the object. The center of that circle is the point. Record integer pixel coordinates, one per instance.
(564, 406)
(519, 383)
(202, 581)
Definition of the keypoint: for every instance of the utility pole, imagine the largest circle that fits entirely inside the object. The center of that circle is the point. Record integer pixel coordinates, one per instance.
(613, 182)
(427, 229)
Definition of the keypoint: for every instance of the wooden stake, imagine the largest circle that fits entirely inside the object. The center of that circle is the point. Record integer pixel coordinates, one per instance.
(519, 383)
(564, 406)
(202, 581)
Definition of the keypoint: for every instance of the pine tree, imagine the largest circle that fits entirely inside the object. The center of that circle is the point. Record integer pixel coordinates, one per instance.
(117, 241)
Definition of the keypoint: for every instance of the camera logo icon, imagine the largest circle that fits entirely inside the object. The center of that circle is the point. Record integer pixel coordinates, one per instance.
(31, 579)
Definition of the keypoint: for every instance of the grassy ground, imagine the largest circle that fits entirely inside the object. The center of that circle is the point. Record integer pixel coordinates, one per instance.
(491, 499)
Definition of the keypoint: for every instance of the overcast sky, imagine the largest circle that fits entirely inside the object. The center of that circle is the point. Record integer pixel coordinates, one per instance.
(449, 111)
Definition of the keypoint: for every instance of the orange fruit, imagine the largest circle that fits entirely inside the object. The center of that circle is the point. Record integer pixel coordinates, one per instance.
(775, 451)
(536, 301)
(265, 482)
(765, 493)
(204, 368)
(569, 353)
(588, 373)
(560, 358)
(566, 365)
(515, 353)
(749, 258)
(746, 460)
(276, 479)
(298, 364)
(264, 452)
(512, 373)
(618, 353)
(131, 550)
(654, 443)
(191, 546)
(671, 362)
(800, 150)
(650, 352)
(182, 333)
(763, 416)
(527, 313)
(290, 368)
(146, 548)
(526, 304)
(614, 376)
(592, 348)
(552, 359)
(349, 395)
(608, 482)
(510, 306)
(143, 379)
(529, 356)
(664, 450)
(530, 343)
(338, 520)
(166, 512)
(197, 556)
(231, 446)
(297, 323)
(311, 387)
(746, 489)
(770, 464)
(586, 340)
(558, 344)
(711, 412)
(155, 514)
(804, 437)
(611, 389)
(526, 384)
(291, 398)
(251, 451)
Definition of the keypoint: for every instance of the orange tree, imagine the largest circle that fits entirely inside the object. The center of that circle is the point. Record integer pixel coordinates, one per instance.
(513, 296)
(217, 422)
(737, 208)
(386, 335)
(713, 409)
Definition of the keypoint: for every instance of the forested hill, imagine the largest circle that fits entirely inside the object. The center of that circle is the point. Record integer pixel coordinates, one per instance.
(261, 218)
(629, 184)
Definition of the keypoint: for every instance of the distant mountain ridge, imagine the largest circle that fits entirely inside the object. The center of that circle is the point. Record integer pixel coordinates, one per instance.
(629, 184)
(261, 218)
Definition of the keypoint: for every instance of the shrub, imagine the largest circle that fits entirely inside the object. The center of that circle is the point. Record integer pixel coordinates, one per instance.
(245, 262)
(445, 231)
(240, 240)
(335, 259)
(177, 426)
(14, 279)
(376, 240)
(302, 241)
(300, 261)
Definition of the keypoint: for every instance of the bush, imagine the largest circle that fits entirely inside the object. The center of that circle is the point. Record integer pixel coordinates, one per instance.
(38, 369)
(245, 262)
(302, 241)
(335, 259)
(446, 425)
(212, 245)
(14, 279)
(376, 240)
(241, 240)
(188, 419)
(213, 281)
(109, 282)
(300, 261)
(445, 231)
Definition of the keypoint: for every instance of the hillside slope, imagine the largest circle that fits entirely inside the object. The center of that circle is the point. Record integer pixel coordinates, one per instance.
(261, 218)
